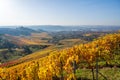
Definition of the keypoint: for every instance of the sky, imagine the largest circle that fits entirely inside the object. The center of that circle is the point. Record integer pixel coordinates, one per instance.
(59, 12)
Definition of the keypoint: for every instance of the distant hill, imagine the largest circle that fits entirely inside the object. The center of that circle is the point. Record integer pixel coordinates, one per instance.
(56, 28)
(26, 30)
(5, 43)
(14, 47)
(18, 31)
(49, 28)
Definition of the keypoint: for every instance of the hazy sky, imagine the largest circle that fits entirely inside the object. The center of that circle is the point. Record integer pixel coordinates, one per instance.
(59, 12)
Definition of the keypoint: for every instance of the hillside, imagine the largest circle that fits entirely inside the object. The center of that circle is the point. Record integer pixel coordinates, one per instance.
(57, 28)
(5, 43)
(67, 63)
(15, 47)
(18, 31)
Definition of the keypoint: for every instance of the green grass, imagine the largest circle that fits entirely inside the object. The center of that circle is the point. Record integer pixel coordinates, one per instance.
(109, 73)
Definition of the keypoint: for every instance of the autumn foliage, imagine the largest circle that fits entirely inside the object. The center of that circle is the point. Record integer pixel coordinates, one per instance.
(59, 64)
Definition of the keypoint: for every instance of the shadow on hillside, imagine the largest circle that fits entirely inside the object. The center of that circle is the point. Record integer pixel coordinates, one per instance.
(81, 78)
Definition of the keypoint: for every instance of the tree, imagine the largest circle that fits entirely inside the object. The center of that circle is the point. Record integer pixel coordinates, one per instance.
(27, 49)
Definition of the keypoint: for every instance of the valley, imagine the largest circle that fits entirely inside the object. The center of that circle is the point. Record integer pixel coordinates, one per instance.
(48, 49)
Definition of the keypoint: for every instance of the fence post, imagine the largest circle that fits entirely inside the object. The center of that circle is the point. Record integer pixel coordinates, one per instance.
(74, 66)
(61, 68)
(97, 68)
(93, 73)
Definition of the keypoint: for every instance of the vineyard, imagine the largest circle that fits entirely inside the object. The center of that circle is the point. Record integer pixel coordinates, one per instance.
(33, 39)
(66, 64)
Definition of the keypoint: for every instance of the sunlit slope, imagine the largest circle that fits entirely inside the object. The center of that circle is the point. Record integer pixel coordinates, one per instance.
(71, 42)
(32, 56)
(59, 62)
(44, 52)
(33, 39)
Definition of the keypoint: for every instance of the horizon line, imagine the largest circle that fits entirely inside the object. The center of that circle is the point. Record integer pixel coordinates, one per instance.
(55, 25)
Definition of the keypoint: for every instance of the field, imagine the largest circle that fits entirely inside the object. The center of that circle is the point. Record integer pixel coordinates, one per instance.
(107, 74)
(33, 39)
(63, 61)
